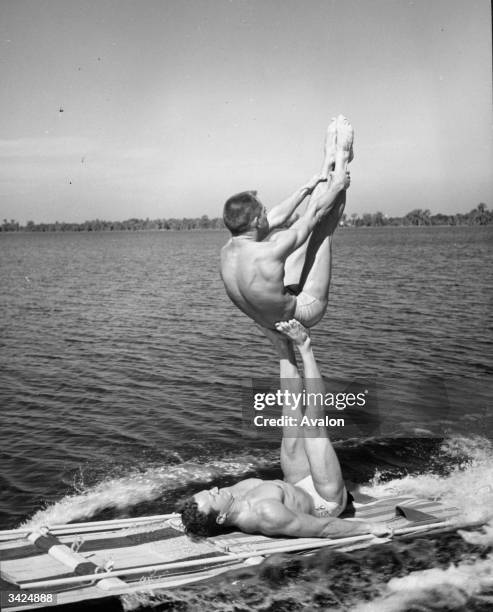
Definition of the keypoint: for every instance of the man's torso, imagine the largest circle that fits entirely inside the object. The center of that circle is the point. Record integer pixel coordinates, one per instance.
(254, 281)
(255, 491)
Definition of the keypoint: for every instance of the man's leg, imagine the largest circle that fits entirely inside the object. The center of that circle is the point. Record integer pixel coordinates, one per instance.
(324, 465)
(294, 462)
(296, 261)
(315, 275)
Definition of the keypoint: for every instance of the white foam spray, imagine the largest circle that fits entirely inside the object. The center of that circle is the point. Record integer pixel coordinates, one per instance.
(137, 487)
(469, 487)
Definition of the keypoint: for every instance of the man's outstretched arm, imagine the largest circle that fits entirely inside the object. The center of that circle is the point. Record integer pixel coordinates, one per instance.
(283, 211)
(290, 239)
(273, 518)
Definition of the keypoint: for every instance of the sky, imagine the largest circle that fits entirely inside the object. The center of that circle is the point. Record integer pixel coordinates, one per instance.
(114, 109)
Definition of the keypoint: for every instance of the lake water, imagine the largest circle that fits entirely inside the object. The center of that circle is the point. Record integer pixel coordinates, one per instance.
(122, 369)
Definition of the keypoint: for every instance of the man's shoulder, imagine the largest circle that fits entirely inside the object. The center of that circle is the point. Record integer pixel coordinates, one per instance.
(266, 516)
(281, 239)
(232, 247)
(248, 483)
(227, 252)
(226, 247)
(266, 509)
(258, 514)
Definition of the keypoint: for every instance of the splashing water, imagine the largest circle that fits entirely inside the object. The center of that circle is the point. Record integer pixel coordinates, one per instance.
(468, 486)
(136, 488)
(439, 589)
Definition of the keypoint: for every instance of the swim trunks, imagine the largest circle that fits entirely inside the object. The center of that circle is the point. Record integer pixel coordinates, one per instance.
(321, 505)
(308, 309)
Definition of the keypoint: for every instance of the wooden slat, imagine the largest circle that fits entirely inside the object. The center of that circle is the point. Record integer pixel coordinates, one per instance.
(92, 526)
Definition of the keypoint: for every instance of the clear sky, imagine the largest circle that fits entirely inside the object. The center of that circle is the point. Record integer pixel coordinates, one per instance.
(170, 106)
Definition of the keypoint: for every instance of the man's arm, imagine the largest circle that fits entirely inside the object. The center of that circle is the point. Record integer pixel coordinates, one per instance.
(273, 518)
(288, 240)
(281, 213)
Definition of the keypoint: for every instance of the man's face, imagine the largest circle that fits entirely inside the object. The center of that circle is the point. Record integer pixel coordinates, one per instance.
(262, 222)
(215, 499)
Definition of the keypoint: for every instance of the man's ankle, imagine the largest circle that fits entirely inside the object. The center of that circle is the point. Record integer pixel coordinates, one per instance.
(306, 346)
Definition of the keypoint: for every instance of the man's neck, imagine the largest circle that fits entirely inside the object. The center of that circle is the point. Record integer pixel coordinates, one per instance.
(252, 236)
(236, 508)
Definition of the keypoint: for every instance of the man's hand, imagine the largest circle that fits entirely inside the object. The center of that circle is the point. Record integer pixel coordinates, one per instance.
(278, 216)
(381, 530)
(314, 181)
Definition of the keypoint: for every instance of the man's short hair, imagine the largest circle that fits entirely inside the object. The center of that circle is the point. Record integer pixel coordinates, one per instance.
(198, 523)
(240, 210)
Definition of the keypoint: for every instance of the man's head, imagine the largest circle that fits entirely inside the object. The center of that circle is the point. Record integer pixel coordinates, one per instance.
(244, 212)
(204, 513)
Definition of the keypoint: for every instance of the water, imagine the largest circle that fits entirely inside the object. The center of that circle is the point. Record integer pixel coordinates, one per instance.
(121, 373)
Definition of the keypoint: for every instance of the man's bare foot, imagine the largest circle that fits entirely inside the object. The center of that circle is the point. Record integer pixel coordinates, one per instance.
(344, 143)
(330, 147)
(295, 331)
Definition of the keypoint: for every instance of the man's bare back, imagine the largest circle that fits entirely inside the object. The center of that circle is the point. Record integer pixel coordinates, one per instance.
(255, 260)
(254, 280)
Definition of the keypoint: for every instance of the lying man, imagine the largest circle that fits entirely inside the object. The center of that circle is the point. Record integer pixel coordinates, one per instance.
(311, 496)
(275, 276)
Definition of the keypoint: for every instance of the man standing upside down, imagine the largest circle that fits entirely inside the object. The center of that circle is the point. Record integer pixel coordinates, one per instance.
(312, 494)
(276, 276)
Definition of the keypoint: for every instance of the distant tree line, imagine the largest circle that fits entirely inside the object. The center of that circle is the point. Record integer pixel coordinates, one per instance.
(98, 225)
(478, 216)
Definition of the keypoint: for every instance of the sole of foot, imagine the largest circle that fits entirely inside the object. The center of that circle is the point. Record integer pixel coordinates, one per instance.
(294, 330)
(345, 137)
(330, 146)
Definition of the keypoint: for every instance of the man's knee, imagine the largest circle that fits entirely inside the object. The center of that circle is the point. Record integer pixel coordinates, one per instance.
(330, 490)
(320, 312)
(310, 310)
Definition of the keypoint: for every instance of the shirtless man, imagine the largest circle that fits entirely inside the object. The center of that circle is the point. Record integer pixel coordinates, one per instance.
(312, 494)
(276, 276)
